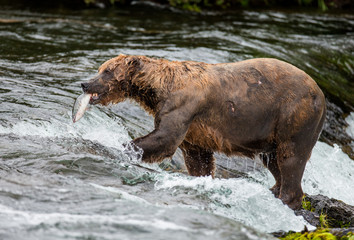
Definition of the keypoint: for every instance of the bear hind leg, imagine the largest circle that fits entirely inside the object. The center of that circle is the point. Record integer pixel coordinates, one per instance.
(199, 161)
(270, 161)
(292, 161)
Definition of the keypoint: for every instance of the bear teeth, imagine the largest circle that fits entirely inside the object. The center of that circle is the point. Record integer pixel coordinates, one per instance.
(94, 96)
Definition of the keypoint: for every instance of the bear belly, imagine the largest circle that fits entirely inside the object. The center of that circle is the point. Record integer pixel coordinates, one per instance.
(213, 139)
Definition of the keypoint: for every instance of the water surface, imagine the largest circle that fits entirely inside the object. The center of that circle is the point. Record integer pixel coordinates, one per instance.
(64, 181)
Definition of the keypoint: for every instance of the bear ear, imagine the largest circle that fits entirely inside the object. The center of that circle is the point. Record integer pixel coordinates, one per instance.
(132, 61)
(133, 65)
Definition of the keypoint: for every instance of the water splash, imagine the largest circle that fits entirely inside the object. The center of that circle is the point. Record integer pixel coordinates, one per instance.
(133, 153)
(96, 126)
(122, 194)
(249, 201)
(328, 172)
(350, 128)
(239, 199)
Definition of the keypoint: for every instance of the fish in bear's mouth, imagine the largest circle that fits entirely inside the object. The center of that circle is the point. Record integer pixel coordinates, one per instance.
(81, 104)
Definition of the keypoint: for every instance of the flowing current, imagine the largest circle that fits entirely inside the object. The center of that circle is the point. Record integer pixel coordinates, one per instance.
(60, 180)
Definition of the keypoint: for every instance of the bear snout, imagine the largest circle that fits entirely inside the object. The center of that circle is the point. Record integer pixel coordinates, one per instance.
(84, 86)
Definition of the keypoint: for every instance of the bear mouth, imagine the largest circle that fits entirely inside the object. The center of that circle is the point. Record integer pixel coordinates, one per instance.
(96, 98)
(96, 92)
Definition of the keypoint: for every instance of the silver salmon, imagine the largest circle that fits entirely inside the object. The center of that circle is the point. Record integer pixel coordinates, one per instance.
(80, 106)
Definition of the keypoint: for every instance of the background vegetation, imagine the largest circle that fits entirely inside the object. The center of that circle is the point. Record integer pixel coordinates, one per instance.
(200, 5)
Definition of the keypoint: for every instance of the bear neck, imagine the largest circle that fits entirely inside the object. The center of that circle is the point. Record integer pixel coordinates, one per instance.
(145, 96)
(154, 79)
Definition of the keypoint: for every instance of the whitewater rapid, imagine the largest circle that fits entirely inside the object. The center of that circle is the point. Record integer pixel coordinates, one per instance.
(247, 200)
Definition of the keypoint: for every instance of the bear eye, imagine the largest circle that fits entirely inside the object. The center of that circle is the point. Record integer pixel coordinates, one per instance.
(106, 71)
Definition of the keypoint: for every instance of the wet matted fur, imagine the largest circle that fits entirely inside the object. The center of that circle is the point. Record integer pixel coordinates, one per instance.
(255, 107)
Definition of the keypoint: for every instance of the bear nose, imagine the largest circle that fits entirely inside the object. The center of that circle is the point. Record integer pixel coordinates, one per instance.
(84, 86)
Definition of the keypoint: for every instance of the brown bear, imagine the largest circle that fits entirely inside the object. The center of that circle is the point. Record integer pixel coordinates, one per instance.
(263, 107)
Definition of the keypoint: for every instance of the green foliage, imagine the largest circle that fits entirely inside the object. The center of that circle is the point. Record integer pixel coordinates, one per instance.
(304, 2)
(322, 5)
(349, 236)
(321, 234)
(198, 5)
(88, 2)
(191, 5)
(343, 224)
(307, 204)
(323, 221)
(244, 3)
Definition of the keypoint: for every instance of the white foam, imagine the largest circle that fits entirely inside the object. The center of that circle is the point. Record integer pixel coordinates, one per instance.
(159, 224)
(350, 128)
(94, 126)
(31, 218)
(330, 172)
(239, 199)
(123, 195)
(27, 128)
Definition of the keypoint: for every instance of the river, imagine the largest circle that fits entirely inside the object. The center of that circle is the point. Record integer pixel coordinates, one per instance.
(60, 180)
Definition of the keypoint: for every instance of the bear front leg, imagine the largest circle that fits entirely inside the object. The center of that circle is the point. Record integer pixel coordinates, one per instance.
(171, 126)
(159, 144)
(199, 161)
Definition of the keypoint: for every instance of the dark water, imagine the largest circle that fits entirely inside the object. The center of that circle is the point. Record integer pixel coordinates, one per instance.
(64, 181)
